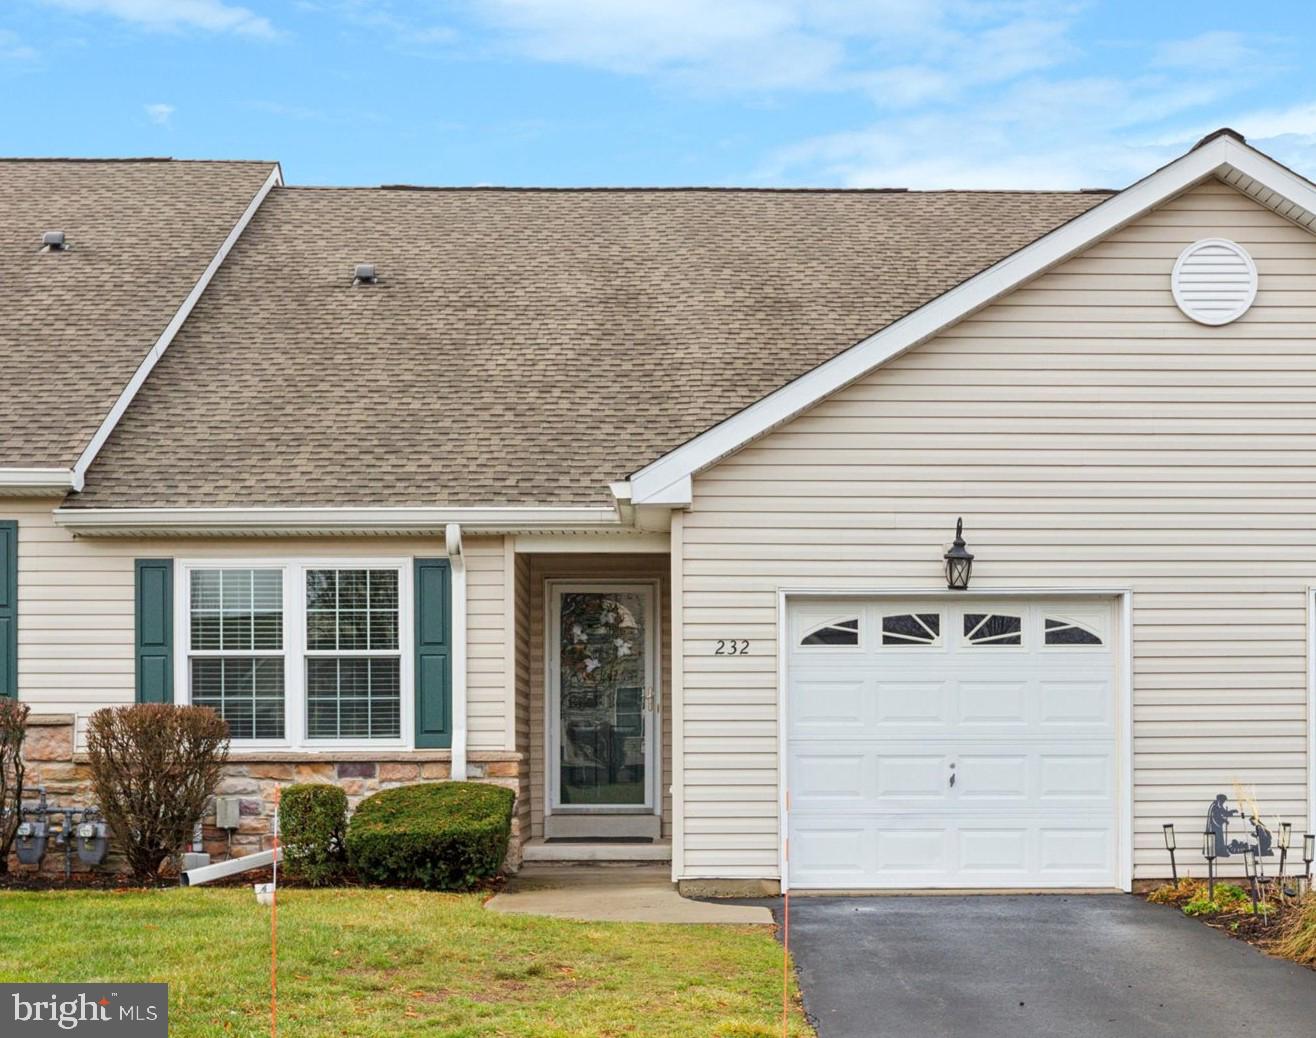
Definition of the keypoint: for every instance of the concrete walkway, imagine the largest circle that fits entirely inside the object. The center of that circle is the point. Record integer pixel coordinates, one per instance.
(1102, 966)
(613, 894)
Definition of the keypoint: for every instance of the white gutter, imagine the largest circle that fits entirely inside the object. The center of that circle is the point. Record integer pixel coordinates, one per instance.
(36, 481)
(453, 536)
(251, 521)
(157, 351)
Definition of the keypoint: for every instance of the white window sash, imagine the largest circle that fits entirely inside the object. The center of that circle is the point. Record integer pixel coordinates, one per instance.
(295, 652)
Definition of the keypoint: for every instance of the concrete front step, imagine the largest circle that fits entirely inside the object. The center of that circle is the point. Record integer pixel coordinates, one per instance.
(613, 893)
(597, 826)
(538, 850)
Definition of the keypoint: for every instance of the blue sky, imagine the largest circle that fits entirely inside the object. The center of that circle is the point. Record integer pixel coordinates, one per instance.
(914, 93)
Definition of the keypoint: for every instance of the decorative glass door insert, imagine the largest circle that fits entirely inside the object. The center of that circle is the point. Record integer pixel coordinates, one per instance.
(604, 723)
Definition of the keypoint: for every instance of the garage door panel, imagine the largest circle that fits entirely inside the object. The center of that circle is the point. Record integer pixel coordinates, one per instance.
(1077, 703)
(903, 776)
(905, 850)
(996, 850)
(820, 705)
(1027, 730)
(1070, 851)
(1068, 777)
(993, 776)
(830, 776)
(998, 703)
(914, 705)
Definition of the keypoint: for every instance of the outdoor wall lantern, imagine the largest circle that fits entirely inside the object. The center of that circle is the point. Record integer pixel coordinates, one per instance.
(1208, 852)
(1308, 853)
(1167, 830)
(959, 561)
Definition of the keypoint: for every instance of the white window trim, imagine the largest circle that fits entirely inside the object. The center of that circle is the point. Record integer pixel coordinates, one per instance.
(810, 627)
(294, 645)
(910, 645)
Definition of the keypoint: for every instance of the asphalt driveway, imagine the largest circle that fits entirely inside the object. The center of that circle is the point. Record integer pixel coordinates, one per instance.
(1052, 965)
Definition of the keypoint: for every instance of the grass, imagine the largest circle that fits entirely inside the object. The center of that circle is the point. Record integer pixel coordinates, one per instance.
(365, 963)
(1298, 942)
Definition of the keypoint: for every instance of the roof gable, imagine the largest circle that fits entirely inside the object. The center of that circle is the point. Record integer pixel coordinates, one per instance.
(521, 347)
(1224, 154)
(141, 236)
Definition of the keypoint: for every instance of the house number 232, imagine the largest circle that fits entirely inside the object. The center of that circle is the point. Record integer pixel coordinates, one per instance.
(731, 647)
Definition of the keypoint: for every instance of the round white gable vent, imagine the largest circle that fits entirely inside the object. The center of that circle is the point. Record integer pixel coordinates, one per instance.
(1214, 281)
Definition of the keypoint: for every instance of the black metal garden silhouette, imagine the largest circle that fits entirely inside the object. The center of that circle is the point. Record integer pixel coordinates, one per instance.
(1217, 822)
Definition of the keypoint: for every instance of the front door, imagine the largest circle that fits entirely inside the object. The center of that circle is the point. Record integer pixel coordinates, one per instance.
(602, 701)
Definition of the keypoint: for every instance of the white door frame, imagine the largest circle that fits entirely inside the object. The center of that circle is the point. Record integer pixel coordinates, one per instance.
(1123, 697)
(553, 590)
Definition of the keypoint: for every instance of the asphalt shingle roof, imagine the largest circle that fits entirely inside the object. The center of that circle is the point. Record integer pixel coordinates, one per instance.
(75, 325)
(522, 346)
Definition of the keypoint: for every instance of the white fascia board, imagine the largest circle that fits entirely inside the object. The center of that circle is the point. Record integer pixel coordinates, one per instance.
(668, 479)
(33, 482)
(275, 179)
(252, 521)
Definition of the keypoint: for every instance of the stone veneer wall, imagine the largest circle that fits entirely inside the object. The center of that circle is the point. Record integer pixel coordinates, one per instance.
(49, 753)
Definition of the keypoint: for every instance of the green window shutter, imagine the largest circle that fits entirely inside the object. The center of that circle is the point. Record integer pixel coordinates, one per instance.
(9, 609)
(433, 673)
(154, 616)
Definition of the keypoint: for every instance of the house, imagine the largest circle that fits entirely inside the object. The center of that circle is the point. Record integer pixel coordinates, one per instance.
(636, 501)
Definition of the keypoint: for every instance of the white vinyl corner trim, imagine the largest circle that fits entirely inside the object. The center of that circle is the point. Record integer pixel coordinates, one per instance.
(667, 480)
(275, 179)
(452, 536)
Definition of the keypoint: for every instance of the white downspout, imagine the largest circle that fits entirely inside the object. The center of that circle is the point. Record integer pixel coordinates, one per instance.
(453, 535)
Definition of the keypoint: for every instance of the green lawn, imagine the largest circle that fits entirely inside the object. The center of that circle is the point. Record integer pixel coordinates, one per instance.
(372, 962)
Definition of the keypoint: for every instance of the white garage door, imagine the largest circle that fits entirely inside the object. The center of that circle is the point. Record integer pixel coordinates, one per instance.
(949, 742)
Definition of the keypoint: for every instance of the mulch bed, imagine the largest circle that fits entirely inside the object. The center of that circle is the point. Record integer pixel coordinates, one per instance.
(1262, 931)
(26, 879)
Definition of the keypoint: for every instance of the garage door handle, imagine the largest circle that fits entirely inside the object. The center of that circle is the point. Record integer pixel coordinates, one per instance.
(952, 778)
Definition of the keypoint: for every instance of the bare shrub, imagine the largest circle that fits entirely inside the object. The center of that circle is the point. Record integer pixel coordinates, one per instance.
(13, 729)
(153, 767)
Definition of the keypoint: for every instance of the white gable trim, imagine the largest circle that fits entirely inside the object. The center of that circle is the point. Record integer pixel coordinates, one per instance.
(275, 179)
(668, 480)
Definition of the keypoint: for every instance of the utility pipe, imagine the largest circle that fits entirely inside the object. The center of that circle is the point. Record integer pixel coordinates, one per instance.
(207, 873)
(457, 561)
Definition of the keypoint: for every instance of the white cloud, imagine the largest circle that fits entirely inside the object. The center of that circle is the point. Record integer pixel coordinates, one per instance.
(210, 15)
(159, 113)
(757, 45)
(1206, 53)
(12, 48)
(988, 94)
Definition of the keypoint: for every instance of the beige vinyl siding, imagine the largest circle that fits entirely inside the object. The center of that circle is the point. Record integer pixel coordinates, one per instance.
(585, 568)
(1091, 436)
(75, 610)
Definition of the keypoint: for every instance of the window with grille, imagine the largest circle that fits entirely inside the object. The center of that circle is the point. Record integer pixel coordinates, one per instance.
(353, 658)
(235, 649)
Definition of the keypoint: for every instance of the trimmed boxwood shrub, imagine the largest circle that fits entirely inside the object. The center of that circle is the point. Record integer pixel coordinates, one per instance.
(312, 831)
(437, 835)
